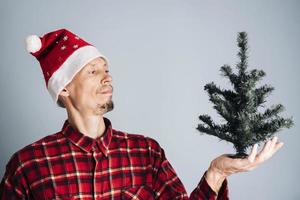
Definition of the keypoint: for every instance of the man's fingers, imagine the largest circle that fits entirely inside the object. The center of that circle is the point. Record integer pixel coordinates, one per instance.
(278, 145)
(253, 153)
(271, 146)
(275, 146)
(273, 143)
(264, 152)
(267, 146)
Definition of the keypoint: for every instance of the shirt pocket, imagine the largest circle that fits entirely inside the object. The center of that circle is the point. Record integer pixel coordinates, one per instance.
(143, 192)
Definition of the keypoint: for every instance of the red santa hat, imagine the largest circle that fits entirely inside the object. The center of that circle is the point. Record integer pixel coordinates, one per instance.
(61, 54)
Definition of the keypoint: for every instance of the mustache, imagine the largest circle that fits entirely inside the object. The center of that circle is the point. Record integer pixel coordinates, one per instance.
(105, 87)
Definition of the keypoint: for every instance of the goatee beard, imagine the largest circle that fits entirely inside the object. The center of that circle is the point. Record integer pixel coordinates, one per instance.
(104, 108)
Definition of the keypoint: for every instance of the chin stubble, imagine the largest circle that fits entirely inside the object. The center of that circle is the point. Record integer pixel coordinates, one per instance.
(104, 108)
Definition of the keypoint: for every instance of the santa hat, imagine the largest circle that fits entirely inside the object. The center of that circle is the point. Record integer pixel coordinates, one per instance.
(61, 54)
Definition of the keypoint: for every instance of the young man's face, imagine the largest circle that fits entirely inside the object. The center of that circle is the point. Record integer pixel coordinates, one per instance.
(90, 91)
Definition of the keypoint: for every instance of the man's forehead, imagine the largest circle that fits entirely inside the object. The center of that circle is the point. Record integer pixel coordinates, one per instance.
(98, 61)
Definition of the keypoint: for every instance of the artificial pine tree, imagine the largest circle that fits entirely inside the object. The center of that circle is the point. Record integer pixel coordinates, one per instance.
(246, 125)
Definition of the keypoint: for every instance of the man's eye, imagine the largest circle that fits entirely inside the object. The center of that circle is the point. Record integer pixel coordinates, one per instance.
(106, 71)
(93, 72)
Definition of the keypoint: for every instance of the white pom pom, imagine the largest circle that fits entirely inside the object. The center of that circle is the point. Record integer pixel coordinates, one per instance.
(33, 43)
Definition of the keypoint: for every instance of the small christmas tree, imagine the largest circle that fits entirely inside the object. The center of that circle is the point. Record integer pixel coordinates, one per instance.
(246, 125)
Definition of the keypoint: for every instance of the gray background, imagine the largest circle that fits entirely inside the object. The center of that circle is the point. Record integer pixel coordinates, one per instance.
(161, 54)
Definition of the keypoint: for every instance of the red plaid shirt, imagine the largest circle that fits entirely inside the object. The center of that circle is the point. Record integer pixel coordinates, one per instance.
(118, 165)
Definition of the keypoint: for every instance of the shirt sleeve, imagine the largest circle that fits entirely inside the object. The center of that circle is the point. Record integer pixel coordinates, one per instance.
(167, 185)
(204, 191)
(13, 181)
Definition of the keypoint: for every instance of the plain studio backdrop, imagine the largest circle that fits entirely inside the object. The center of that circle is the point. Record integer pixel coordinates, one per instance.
(161, 55)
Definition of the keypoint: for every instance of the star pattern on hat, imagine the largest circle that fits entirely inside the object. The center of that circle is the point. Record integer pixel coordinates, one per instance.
(65, 38)
(77, 38)
(75, 46)
(63, 47)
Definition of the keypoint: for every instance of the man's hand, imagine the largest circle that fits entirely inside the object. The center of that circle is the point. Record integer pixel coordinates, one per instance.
(223, 166)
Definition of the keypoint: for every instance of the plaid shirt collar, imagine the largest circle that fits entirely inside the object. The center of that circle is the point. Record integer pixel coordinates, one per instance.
(86, 143)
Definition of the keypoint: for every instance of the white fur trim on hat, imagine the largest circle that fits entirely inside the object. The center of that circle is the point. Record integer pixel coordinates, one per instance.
(33, 43)
(74, 63)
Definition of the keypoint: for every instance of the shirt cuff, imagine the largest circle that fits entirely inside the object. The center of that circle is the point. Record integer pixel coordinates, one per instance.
(203, 190)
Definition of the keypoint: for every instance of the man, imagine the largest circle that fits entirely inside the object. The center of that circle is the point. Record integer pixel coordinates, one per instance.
(88, 159)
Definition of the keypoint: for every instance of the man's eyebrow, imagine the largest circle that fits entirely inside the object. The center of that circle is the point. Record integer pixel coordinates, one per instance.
(104, 65)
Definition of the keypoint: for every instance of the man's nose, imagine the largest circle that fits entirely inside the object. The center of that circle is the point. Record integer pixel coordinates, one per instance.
(106, 80)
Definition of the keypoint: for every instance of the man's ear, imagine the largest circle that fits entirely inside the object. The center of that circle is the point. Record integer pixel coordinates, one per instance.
(64, 93)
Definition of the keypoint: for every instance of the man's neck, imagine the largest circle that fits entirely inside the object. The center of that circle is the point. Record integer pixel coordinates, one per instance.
(90, 125)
